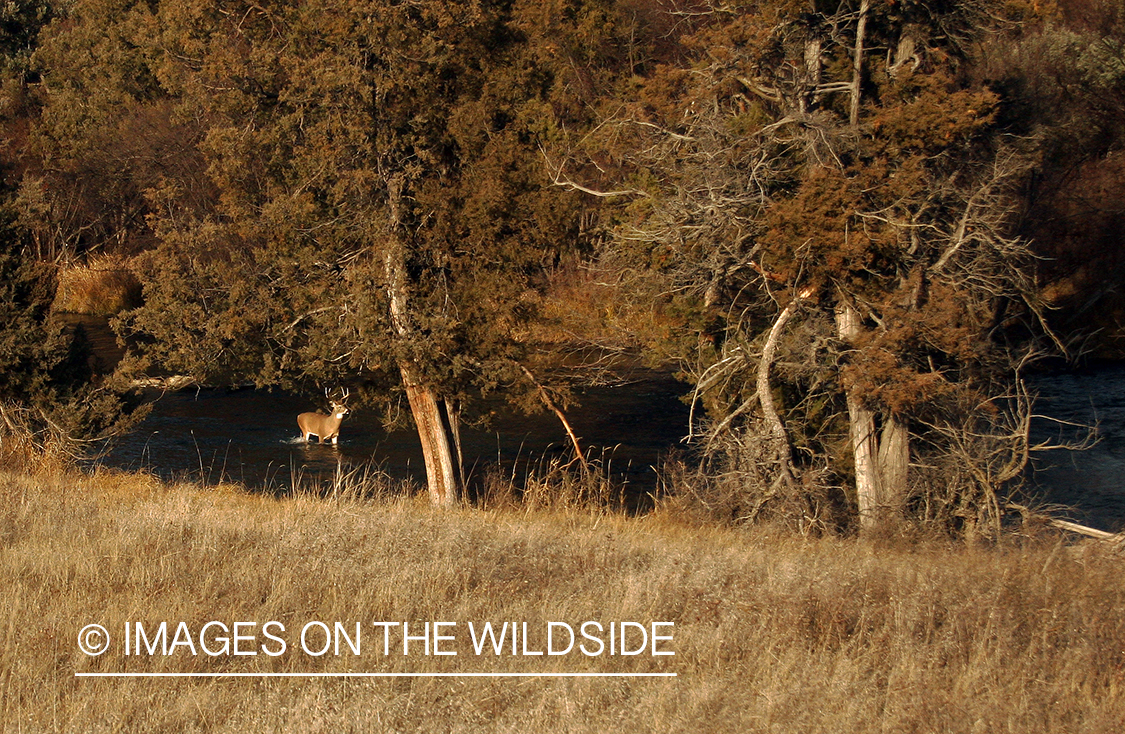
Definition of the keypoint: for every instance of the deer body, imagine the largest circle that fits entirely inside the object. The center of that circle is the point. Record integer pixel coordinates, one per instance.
(324, 427)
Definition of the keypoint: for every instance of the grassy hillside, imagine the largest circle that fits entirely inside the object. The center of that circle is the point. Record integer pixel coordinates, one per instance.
(772, 632)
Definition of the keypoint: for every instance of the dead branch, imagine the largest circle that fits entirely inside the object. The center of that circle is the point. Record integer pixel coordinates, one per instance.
(558, 179)
(546, 398)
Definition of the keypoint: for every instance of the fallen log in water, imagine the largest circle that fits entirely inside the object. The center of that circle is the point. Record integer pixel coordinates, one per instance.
(1074, 527)
(1069, 526)
(172, 382)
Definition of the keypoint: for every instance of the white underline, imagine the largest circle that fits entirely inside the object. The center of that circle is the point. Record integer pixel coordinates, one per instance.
(375, 675)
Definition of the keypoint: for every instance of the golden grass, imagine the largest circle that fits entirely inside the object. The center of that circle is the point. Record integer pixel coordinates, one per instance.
(773, 632)
(103, 286)
(29, 451)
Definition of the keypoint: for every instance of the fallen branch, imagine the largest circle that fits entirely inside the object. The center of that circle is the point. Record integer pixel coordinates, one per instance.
(546, 398)
(1072, 527)
(1118, 538)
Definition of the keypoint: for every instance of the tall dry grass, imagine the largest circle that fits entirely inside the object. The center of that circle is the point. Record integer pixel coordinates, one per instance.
(773, 632)
(102, 286)
(28, 448)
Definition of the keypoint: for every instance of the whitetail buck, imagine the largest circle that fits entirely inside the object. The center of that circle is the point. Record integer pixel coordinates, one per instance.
(324, 426)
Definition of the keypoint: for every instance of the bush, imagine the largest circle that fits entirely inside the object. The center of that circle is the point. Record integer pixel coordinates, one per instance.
(26, 449)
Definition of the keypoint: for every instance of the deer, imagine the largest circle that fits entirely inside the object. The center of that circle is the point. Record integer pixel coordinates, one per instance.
(323, 426)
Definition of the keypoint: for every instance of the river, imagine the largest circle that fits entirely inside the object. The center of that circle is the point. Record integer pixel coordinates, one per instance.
(1090, 484)
(251, 436)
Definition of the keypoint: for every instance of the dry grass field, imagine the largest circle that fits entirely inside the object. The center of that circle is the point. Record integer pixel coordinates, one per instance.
(772, 632)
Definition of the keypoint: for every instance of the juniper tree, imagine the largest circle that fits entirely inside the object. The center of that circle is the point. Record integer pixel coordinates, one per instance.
(823, 198)
(379, 212)
(46, 369)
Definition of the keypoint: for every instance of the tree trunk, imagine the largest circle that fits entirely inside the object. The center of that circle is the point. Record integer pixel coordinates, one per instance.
(438, 425)
(776, 427)
(813, 52)
(441, 473)
(857, 63)
(894, 461)
(434, 426)
(453, 422)
(881, 459)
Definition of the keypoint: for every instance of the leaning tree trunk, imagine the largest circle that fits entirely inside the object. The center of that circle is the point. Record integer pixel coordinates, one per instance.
(438, 425)
(779, 437)
(442, 476)
(545, 396)
(881, 456)
(436, 419)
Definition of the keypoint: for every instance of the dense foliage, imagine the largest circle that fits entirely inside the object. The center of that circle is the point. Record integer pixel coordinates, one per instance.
(49, 379)
(825, 186)
(827, 214)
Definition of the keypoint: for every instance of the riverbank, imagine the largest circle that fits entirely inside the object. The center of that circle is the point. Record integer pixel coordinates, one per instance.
(770, 631)
(215, 434)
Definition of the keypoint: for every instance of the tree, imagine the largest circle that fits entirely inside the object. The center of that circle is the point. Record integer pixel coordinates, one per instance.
(1065, 78)
(101, 133)
(45, 368)
(380, 213)
(829, 202)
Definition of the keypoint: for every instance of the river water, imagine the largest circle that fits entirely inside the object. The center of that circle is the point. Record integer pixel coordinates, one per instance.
(251, 436)
(1089, 483)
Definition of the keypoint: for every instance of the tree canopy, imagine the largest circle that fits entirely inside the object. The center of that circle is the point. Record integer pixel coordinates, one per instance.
(825, 187)
(830, 207)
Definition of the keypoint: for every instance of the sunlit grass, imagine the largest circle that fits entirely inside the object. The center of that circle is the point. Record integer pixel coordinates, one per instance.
(773, 632)
(102, 286)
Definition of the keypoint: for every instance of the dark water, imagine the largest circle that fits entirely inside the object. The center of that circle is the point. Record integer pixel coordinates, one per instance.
(1090, 482)
(103, 342)
(251, 436)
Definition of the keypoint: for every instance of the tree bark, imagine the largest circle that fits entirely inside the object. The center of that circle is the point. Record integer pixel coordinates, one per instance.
(434, 429)
(453, 421)
(881, 459)
(813, 53)
(857, 62)
(894, 462)
(773, 422)
(441, 474)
